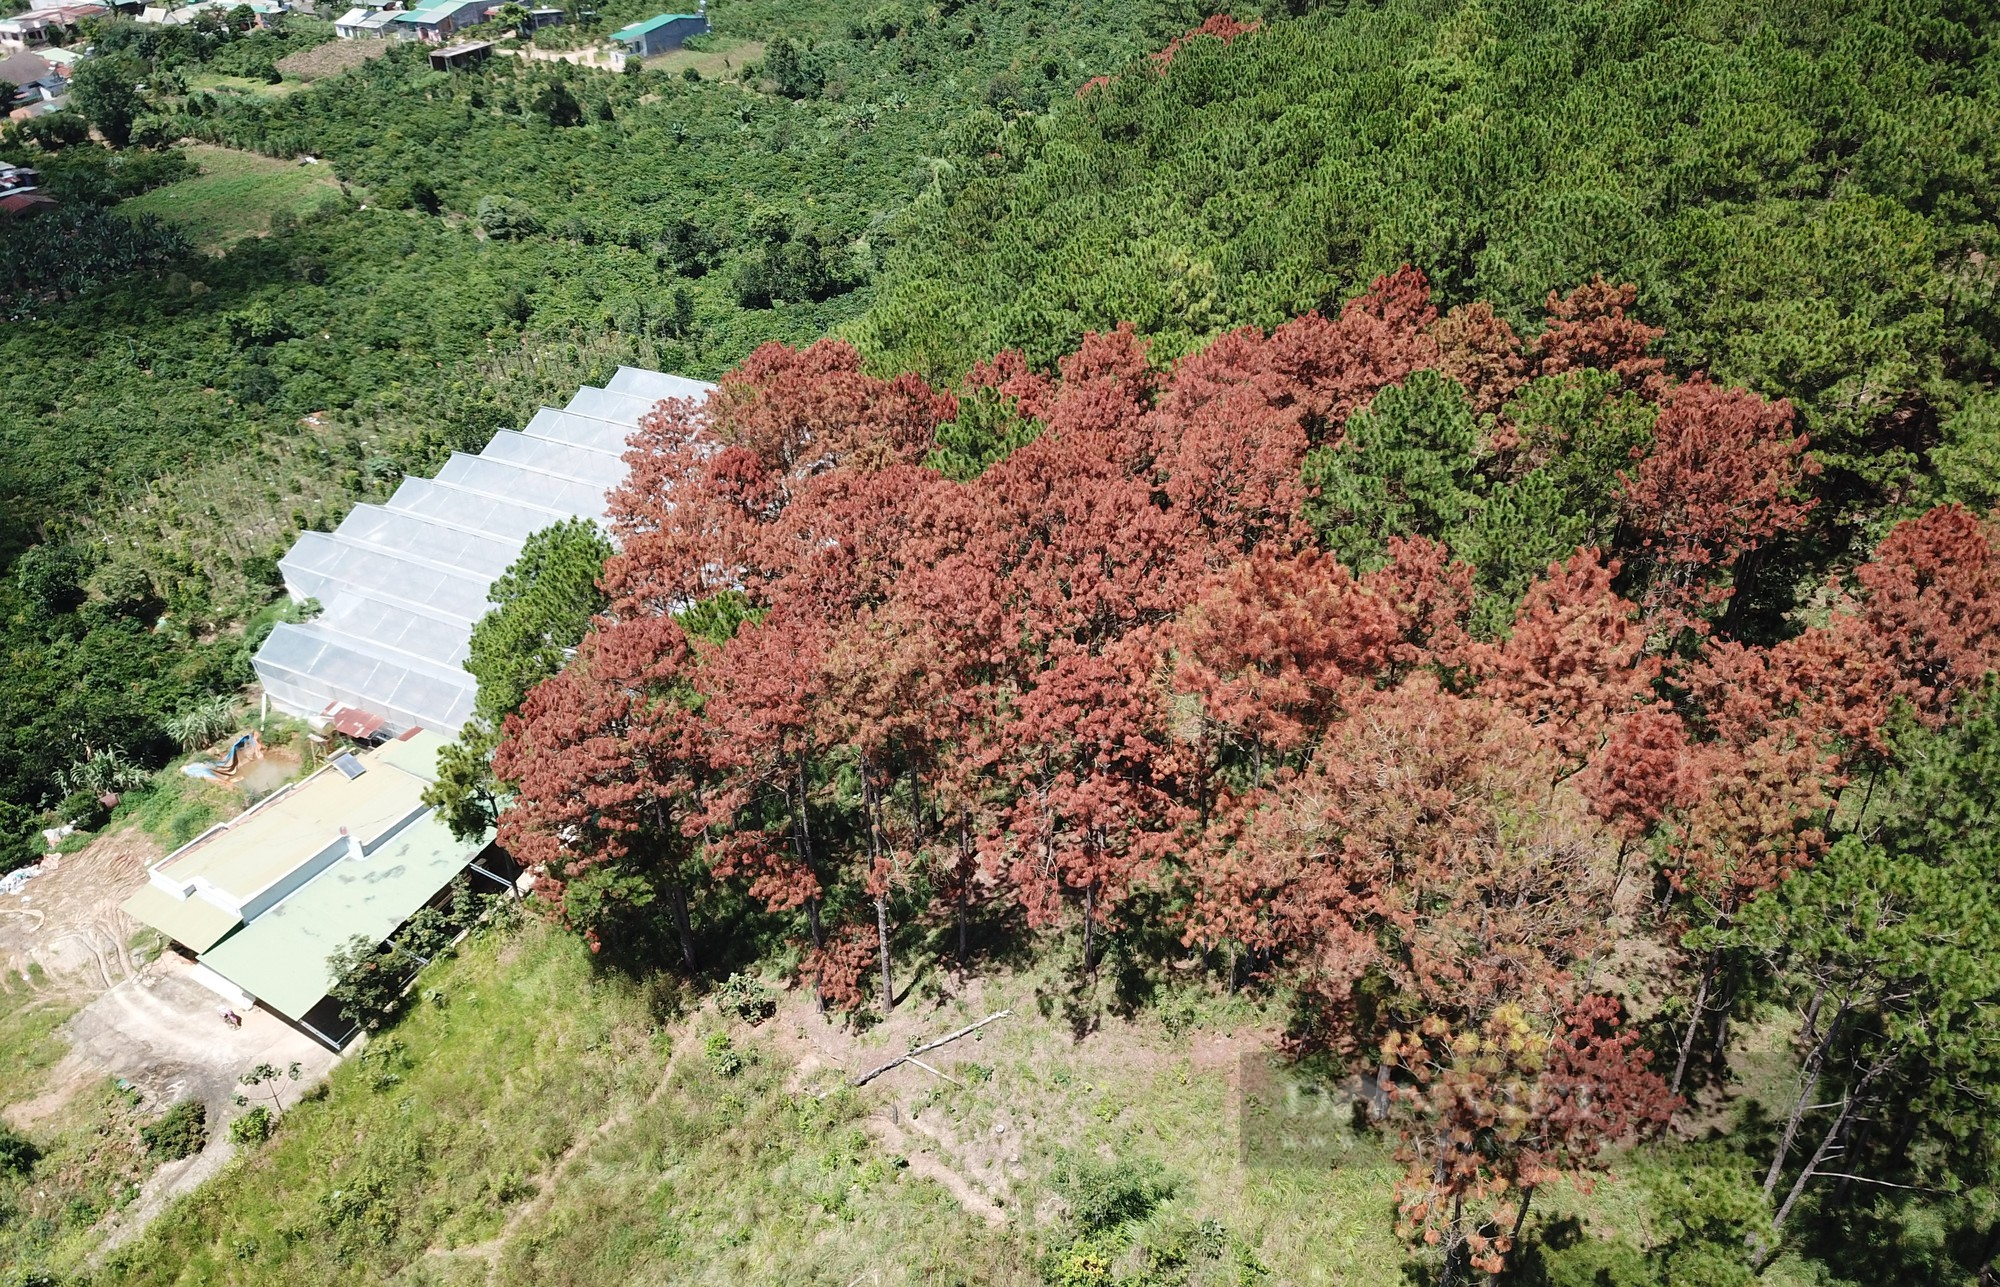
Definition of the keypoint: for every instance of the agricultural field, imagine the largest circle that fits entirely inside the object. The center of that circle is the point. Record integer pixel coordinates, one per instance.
(330, 59)
(237, 195)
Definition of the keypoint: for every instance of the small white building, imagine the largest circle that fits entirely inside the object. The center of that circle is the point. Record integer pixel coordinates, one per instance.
(363, 22)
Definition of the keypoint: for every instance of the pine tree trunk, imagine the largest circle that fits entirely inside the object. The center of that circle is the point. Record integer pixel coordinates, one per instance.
(1454, 1246)
(677, 899)
(1827, 1141)
(1520, 1220)
(1694, 1025)
(882, 935)
(964, 885)
(1090, 929)
(1808, 1083)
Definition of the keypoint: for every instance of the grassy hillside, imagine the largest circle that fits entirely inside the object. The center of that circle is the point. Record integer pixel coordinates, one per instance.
(538, 1122)
(534, 1120)
(237, 194)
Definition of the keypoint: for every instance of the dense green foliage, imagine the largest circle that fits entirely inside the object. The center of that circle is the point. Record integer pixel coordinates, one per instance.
(182, 1131)
(1803, 192)
(542, 606)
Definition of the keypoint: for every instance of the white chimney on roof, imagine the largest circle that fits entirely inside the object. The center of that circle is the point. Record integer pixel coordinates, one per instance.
(354, 849)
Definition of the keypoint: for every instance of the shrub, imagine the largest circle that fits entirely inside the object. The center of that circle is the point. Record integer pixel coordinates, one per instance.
(1104, 1195)
(253, 1128)
(181, 1132)
(18, 1154)
(746, 997)
(723, 1055)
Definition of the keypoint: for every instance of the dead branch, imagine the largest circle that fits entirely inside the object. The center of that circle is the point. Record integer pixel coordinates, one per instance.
(910, 1056)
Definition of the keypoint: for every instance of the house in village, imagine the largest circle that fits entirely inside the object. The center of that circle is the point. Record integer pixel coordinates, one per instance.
(434, 22)
(20, 191)
(661, 34)
(263, 13)
(364, 22)
(36, 78)
(261, 901)
(537, 18)
(456, 57)
(46, 25)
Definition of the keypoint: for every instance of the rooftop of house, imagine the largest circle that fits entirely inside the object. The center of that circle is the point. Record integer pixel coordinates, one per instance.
(15, 204)
(280, 958)
(60, 14)
(236, 870)
(639, 29)
(435, 11)
(25, 68)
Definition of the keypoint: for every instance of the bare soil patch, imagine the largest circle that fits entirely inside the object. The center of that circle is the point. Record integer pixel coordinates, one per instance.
(68, 921)
(331, 58)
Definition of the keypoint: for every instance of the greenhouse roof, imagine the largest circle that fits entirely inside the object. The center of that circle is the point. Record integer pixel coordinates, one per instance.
(401, 584)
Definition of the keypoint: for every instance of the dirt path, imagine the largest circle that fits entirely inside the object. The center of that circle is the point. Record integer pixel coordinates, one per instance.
(491, 1249)
(159, 1031)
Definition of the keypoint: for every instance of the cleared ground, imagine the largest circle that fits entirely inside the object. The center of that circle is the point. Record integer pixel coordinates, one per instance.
(331, 58)
(66, 923)
(724, 58)
(99, 1036)
(236, 195)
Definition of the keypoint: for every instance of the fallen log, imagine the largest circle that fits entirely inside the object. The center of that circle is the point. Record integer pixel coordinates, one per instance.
(910, 1056)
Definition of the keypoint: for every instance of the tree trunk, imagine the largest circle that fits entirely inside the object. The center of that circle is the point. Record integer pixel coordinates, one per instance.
(1833, 1135)
(1520, 1220)
(1454, 1246)
(882, 935)
(871, 798)
(964, 885)
(1694, 1024)
(1808, 1083)
(677, 900)
(1090, 928)
(1826, 1143)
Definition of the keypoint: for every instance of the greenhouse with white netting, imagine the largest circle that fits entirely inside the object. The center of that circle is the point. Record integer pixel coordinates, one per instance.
(401, 584)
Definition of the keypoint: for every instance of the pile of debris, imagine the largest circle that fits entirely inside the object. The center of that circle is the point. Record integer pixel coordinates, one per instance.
(12, 882)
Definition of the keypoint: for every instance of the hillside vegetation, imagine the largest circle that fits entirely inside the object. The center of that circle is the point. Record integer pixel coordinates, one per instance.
(1408, 588)
(499, 237)
(1804, 194)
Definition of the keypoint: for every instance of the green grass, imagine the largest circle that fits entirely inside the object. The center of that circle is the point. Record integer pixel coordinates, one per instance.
(236, 195)
(175, 808)
(723, 57)
(429, 1136)
(533, 1120)
(90, 1156)
(753, 1162)
(216, 82)
(30, 1039)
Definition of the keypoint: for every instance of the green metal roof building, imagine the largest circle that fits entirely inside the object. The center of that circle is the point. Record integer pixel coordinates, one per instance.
(659, 35)
(261, 901)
